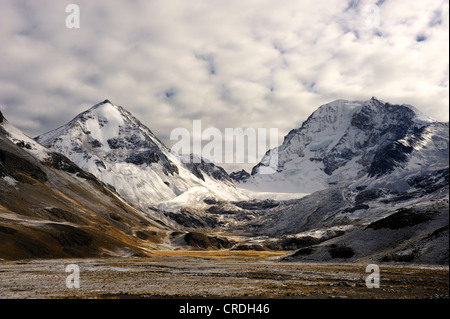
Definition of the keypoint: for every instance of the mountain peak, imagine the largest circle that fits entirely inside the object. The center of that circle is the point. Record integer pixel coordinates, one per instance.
(106, 101)
(102, 104)
(113, 145)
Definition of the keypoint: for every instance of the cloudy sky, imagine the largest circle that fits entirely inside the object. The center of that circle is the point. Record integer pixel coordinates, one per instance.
(228, 63)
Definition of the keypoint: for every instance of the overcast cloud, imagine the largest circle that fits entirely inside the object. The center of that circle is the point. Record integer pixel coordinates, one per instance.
(247, 63)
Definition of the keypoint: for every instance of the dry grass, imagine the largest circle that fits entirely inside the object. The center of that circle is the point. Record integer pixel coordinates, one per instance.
(216, 274)
(219, 254)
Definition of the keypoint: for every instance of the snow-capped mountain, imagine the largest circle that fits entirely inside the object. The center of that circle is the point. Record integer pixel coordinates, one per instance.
(109, 142)
(368, 141)
(377, 175)
(50, 208)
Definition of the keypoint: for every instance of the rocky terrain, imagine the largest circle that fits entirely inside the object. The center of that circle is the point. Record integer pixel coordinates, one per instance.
(247, 275)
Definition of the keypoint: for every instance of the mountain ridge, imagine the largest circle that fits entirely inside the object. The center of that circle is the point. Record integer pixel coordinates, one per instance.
(384, 192)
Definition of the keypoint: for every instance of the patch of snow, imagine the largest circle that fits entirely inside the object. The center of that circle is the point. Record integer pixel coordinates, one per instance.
(105, 123)
(9, 180)
(16, 136)
(272, 195)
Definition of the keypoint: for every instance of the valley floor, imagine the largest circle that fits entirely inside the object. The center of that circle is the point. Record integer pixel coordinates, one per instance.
(215, 274)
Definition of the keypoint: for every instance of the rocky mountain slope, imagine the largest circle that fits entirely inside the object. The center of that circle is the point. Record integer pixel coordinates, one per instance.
(50, 208)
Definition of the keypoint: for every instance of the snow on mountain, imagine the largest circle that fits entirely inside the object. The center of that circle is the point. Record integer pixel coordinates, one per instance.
(117, 148)
(423, 152)
(50, 208)
(349, 140)
(18, 137)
